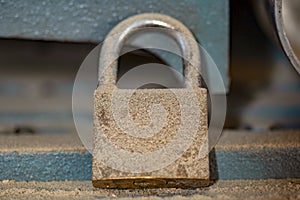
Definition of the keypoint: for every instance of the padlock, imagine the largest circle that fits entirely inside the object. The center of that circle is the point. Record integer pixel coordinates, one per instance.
(175, 151)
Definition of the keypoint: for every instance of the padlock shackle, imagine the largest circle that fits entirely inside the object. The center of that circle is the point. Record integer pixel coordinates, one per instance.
(114, 41)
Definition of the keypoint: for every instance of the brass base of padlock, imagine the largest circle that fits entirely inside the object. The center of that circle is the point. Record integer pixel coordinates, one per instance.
(150, 182)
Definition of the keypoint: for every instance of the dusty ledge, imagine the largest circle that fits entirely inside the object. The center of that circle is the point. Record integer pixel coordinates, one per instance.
(238, 155)
(234, 189)
(71, 142)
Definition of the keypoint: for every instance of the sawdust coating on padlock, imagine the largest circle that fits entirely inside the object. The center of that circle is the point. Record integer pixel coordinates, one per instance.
(173, 155)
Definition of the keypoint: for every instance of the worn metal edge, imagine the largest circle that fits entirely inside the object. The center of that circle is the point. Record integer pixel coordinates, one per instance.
(150, 182)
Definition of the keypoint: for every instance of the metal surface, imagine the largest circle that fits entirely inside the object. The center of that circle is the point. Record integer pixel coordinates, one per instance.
(239, 155)
(108, 60)
(265, 88)
(90, 21)
(271, 15)
(182, 170)
(46, 166)
(231, 164)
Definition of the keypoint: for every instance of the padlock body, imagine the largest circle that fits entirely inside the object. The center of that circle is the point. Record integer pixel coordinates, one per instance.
(124, 159)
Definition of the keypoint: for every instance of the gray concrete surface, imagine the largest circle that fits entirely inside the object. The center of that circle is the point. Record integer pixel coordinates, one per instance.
(237, 189)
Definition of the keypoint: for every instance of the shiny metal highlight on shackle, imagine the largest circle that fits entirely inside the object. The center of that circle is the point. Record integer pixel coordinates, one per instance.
(270, 14)
(113, 43)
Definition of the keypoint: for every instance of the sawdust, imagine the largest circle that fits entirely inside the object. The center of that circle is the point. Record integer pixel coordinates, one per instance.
(233, 189)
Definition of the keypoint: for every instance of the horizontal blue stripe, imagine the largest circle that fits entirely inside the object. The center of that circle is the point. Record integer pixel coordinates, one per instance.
(262, 163)
(48, 166)
(274, 112)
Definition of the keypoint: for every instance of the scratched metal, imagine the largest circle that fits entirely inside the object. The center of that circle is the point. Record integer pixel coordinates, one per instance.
(90, 21)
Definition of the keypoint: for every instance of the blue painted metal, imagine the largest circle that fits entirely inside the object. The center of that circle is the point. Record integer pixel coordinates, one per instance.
(230, 164)
(91, 20)
(46, 166)
(258, 163)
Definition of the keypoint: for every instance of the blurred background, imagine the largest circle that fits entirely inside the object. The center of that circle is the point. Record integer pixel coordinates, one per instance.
(38, 68)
